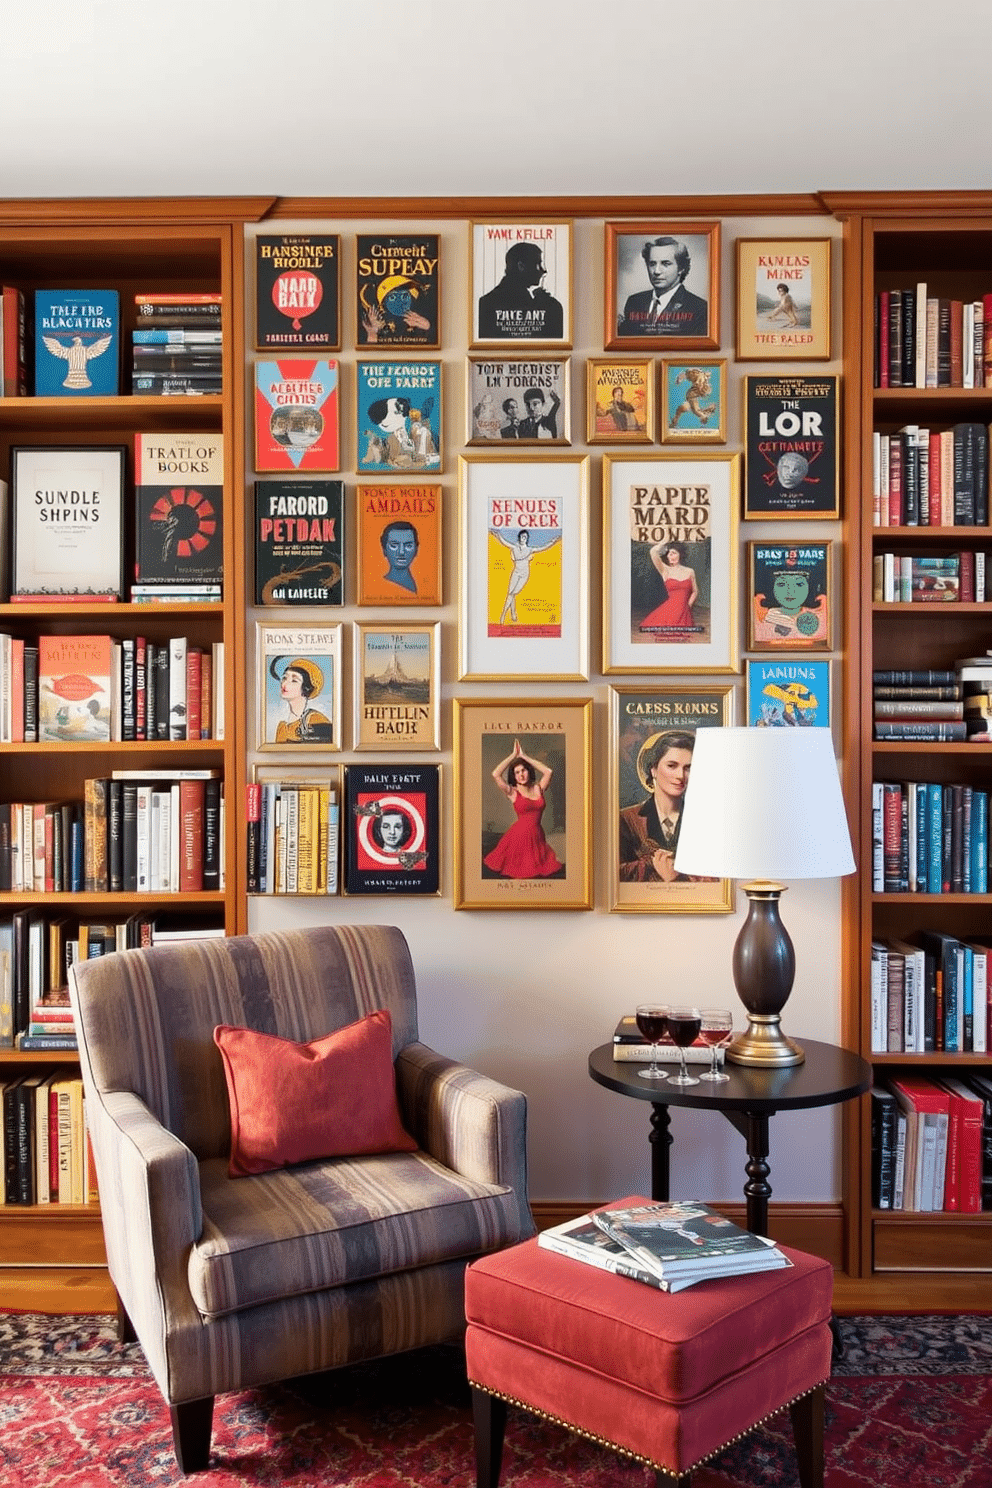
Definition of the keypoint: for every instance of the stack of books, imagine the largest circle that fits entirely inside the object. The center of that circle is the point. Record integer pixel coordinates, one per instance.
(176, 345)
(629, 1046)
(974, 673)
(668, 1246)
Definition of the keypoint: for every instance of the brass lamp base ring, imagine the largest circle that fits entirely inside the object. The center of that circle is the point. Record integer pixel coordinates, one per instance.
(763, 1045)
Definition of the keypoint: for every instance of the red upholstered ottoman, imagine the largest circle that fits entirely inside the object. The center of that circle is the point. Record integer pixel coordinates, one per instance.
(667, 1379)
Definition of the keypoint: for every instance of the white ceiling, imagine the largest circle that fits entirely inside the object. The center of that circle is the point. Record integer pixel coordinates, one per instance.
(438, 97)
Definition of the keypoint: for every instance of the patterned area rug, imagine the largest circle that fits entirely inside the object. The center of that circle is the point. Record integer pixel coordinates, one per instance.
(909, 1406)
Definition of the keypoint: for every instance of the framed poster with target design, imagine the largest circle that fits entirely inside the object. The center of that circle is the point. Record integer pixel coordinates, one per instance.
(391, 830)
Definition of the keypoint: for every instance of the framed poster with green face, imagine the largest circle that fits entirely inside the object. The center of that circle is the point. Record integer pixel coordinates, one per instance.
(789, 596)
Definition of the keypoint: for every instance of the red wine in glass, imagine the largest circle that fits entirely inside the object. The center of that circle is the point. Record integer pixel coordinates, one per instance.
(683, 1026)
(716, 1028)
(652, 1020)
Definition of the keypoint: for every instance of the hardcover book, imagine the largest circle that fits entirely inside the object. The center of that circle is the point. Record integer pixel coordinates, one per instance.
(297, 291)
(178, 508)
(398, 290)
(68, 506)
(13, 343)
(299, 542)
(296, 415)
(74, 688)
(77, 343)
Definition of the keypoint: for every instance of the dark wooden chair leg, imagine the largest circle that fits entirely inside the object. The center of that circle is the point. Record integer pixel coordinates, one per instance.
(125, 1328)
(807, 1428)
(490, 1427)
(191, 1423)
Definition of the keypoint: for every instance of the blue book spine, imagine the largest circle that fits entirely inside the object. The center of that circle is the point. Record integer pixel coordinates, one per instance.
(922, 839)
(969, 1000)
(952, 991)
(77, 343)
(935, 848)
(979, 842)
(76, 857)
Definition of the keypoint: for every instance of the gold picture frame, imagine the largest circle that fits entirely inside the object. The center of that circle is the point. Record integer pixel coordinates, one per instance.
(692, 402)
(303, 711)
(620, 400)
(396, 684)
(514, 400)
(662, 286)
(500, 862)
(783, 299)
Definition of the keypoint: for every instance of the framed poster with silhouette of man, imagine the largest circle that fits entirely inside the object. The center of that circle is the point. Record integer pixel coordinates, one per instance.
(521, 283)
(662, 286)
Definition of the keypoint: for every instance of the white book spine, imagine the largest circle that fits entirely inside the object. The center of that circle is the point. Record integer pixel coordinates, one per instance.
(143, 839)
(981, 1002)
(879, 1037)
(218, 687)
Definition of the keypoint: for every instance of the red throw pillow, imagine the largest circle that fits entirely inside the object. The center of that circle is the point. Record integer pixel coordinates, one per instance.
(291, 1103)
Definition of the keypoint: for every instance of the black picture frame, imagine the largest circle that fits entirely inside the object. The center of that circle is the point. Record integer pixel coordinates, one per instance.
(790, 442)
(378, 864)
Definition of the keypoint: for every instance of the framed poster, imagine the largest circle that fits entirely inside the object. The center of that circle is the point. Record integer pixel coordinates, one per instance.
(788, 692)
(391, 823)
(523, 803)
(293, 829)
(296, 415)
(619, 400)
(670, 560)
(789, 596)
(399, 545)
(298, 684)
(662, 285)
(523, 568)
(523, 399)
(521, 282)
(297, 291)
(398, 290)
(652, 737)
(397, 686)
(299, 542)
(790, 440)
(399, 416)
(693, 401)
(68, 521)
(783, 299)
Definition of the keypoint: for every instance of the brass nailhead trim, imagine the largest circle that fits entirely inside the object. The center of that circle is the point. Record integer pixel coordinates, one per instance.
(603, 1441)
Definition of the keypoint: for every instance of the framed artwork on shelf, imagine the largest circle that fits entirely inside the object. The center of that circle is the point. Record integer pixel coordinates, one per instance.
(391, 824)
(298, 686)
(790, 442)
(68, 522)
(788, 692)
(299, 542)
(298, 291)
(523, 803)
(398, 417)
(670, 562)
(397, 686)
(619, 400)
(521, 282)
(293, 825)
(790, 600)
(399, 545)
(693, 401)
(398, 290)
(783, 299)
(662, 285)
(652, 737)
(517, 398)
(523, 568)
(296, 415)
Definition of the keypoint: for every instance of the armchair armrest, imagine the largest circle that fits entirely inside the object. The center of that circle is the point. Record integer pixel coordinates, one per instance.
(472, 1124)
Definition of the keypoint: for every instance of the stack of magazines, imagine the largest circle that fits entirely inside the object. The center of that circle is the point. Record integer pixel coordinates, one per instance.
(669, 1246)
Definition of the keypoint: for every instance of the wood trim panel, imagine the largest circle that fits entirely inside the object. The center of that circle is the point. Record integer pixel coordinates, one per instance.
(799, 204)
(912, 204)
(159, 211)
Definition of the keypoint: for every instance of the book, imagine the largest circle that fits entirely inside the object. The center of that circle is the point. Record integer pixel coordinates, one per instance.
(299, 542)
(178, 509)
(582, 1240)
(74, 688)
(13, 343)
(176, 384)
(688, 1241)
(68, 522)
(183, 307)
(927, 1108)
(883, 1147)
(76, 343)
(963, 1173)
(297, 291)
(629, 1046)
(296, 415)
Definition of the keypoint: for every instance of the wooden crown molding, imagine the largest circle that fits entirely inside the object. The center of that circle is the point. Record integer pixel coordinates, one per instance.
(914, 204)
(799, 204)
(157, 211)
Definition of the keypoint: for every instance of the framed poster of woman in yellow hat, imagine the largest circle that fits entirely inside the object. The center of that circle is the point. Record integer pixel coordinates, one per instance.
(299, 686)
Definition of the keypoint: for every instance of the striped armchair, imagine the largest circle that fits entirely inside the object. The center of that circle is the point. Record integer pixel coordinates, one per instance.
(231, 1283)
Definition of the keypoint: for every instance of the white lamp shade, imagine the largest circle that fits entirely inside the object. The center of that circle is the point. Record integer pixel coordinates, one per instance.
(764, 803)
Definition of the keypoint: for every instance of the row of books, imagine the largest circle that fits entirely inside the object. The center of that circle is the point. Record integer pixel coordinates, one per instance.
(925, 578)
(937, 704)
(46, 1153)
(932, 1144)
(669, 1246)
(931, 478)
(183, 358)
(292, 837)
(929, 838)
(81, 689)
(930, 995)
(137, 831)
(924, 340)
(67, 342)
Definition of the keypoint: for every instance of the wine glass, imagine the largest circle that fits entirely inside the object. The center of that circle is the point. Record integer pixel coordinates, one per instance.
(683, 1025)
(715, 1027)
(652, 1019)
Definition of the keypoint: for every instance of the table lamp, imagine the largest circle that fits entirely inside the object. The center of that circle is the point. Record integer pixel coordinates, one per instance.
(764, 804)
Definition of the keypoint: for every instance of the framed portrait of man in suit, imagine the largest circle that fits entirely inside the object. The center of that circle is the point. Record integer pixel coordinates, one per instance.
(662, 285)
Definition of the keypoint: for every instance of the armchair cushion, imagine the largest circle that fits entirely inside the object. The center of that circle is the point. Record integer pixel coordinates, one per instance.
(292, 1103)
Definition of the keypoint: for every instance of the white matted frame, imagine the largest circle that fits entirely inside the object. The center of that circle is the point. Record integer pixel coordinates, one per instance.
(301, 710)
(523, 568)
(670, 562)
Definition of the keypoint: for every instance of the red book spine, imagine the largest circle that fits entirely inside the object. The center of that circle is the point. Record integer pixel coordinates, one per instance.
(206, 694)
(140, 688)
(883, 339)
(194, 716)
(987, 340)
(16, 691)
(933, 480)
(191, 797)
(895, 482)
(966, 576)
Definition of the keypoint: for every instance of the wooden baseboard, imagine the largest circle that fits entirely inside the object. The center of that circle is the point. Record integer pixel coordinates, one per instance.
(54, 1289)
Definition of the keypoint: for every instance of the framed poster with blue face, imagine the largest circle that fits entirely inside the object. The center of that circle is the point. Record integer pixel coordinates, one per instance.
(789, 692)
(399, 417)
